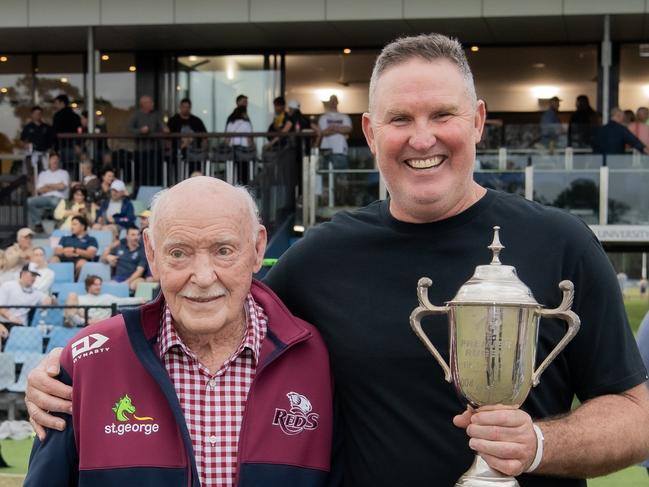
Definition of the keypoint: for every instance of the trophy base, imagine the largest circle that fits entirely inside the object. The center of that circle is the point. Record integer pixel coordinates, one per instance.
(482, 475)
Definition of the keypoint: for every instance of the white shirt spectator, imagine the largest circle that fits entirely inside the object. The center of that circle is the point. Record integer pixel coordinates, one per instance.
(336, 142)
(44, 282)
(239, 125)
(12, 293)
(55, 177)
(96, 314)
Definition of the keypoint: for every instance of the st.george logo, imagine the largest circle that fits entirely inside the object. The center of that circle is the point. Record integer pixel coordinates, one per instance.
(298, 418)
(89, 345)
(124, 410)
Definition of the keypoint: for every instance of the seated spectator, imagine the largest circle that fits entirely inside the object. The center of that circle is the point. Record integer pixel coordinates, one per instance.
(102, 192)
(89, 180)
(144, 216)
(16, 256)
(94, 297)
(78, 247)
(52, 186)
(127, 259)
(20, 292)
(45, 279)
(77, 204)
(117, 211)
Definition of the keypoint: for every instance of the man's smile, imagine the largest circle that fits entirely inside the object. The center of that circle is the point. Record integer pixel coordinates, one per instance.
(427, 163)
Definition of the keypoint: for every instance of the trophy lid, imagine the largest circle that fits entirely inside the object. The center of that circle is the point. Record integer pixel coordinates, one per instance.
(495, 283)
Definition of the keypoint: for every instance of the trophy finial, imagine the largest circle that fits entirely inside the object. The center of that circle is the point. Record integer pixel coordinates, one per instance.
(496, 247)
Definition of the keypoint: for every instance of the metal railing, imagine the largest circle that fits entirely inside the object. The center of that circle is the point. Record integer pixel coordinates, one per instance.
(14, 192)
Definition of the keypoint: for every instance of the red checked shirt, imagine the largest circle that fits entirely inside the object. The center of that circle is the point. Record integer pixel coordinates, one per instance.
(213, 404)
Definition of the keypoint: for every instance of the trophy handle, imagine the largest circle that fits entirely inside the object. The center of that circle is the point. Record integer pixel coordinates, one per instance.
(425, 308)
(563, 312)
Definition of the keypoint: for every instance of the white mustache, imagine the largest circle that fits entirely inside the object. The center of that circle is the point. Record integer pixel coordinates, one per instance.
(208, 294)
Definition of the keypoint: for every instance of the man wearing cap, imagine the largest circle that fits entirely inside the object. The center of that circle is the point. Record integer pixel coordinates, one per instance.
(20, 292)
(78, 247)
(551, 124)
(17, 255)
(118, 210)
(144, 219)
(52, 186)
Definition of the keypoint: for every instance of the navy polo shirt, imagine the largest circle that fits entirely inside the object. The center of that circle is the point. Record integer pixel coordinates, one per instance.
(128, 260)
(82, 243)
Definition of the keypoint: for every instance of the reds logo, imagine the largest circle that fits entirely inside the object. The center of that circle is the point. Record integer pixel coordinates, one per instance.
(297, 419)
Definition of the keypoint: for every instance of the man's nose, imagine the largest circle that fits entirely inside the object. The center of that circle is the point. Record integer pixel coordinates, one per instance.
(204, 272)
(423, 137)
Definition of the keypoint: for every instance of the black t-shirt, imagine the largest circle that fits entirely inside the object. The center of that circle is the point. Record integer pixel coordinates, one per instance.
(356, 277)
(193, 124)
(40, 136)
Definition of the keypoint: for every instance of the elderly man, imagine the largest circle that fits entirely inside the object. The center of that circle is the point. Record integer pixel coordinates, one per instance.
(213, 383)
(356, 279)
(18, 254)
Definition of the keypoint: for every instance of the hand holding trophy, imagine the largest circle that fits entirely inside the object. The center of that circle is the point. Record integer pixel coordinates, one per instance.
(493, 326)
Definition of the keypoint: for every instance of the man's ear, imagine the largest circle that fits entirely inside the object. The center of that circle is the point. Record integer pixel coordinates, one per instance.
(479, 120)
(260, 247)
(368, 131)
(150, 253)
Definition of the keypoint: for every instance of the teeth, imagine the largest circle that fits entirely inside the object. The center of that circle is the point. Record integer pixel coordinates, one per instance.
(425, 163)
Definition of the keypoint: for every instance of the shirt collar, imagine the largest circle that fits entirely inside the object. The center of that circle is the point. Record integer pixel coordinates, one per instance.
(256, 320)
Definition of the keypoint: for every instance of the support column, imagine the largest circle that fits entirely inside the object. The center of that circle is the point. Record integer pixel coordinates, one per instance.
(606, 70)
(90, 80)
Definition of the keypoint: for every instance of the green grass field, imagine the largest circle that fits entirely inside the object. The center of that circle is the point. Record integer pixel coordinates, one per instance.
(16, 453)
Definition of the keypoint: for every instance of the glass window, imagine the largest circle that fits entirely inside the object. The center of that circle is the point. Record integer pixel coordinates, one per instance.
(58, 74)
(16, 89)
(115, 91)
(634, 76)
(214, 82)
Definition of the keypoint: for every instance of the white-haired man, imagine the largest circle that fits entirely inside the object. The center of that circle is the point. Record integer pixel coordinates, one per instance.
(356, 278)
(212, 382)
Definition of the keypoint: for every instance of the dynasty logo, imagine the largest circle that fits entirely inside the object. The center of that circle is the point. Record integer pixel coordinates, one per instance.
(89, 345)
(298, 418)
(142, 424)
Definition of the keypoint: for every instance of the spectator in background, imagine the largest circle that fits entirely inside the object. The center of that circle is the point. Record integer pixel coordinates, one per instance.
(102, 193)
(241, 102)
(582, 124)
(551, 125)
(117, 211)
(65, 121)
(281, 123)
(184, 122)
(45, 279)
(77, 248)
(16, 256)
(51, 187)
(243, 148)
(89, 180)
(77, 204)
(40, 137)
(614, 136)
(126, 258)
(93, 297)
(148, 153)
(335, 128)
(144, 216)
(639, 127)
(629, 117)
(20, 292)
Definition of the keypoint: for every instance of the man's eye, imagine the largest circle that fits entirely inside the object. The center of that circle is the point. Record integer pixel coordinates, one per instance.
(177, 253)
(224, 251)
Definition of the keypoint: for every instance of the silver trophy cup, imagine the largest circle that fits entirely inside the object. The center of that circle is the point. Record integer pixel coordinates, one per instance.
(493, 326)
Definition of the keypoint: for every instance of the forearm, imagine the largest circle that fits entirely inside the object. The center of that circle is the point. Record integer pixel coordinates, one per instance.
(604, 434)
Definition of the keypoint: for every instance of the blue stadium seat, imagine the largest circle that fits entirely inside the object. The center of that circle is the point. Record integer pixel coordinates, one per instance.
(63, 271)
(63, 289)
(116, 289)
(24, 340)
(57, 232)
(31, 360)
(104, 239)
(145, 193)
(59, 337)
(95, 268)
(48, 316)
(7, 370)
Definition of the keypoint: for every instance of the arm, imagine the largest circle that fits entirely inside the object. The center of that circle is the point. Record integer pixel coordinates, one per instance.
(88, 253)
(60, 212)
(6, 314)
(633, 141)
(107, 257)
(54, 460)
(139, 271)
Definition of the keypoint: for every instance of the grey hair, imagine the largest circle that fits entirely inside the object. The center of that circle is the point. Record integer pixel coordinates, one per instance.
(253, 211)
(429, 47)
